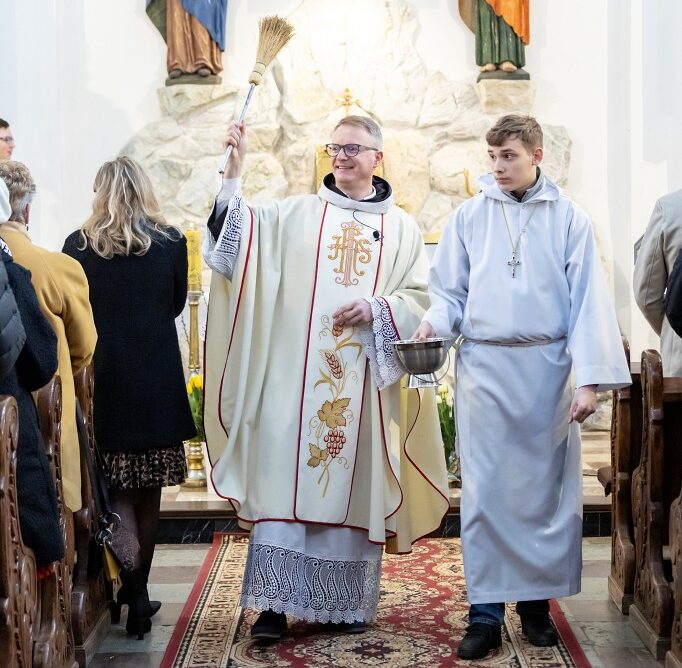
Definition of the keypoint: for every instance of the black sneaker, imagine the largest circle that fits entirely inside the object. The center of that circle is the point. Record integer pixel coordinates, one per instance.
(479, 640)
(270, 625)
(539, 630)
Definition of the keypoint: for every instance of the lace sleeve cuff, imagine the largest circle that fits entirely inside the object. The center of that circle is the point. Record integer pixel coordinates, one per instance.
(222, 255)
(375, 339)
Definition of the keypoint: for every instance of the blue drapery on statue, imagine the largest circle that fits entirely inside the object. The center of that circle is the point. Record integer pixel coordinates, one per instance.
(210, 13)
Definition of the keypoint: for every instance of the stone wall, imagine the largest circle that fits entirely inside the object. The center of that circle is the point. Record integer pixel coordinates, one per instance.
(433, 127)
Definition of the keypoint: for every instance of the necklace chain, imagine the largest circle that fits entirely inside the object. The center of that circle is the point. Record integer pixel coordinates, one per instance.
(513, 263)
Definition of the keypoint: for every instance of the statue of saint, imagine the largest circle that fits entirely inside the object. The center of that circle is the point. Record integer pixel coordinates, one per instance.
(194, 31)
(502, 28)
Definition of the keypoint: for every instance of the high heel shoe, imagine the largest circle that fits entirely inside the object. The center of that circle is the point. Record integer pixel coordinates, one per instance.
(139, 609)
(122, 599)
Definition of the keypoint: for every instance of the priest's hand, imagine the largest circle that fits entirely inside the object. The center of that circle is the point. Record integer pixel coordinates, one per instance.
(584, 403)
(236, 137)
(424, 331)
(357, 312)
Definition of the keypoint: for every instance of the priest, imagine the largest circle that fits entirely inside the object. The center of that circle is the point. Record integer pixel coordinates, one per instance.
(303, 411)
(517, 275)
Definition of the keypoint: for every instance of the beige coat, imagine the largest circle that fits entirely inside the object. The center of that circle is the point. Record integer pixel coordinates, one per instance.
(660, 245)
(62, 290)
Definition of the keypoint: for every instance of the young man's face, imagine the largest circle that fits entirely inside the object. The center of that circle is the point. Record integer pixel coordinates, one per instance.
(513, 165)
(6, 144)
(356, 172)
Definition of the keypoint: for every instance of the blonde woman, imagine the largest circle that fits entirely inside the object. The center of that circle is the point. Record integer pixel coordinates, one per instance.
(136, 265)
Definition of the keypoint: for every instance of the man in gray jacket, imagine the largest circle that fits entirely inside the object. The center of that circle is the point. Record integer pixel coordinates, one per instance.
(658, 251)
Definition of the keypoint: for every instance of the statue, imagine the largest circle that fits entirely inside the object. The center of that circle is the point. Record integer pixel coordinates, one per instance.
(502, 28)
(194, 31)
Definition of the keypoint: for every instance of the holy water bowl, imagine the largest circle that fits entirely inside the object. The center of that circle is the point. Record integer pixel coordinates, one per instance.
(422, 359)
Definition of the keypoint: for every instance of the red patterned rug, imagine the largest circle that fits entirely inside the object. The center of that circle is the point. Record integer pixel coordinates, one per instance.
(422, 616)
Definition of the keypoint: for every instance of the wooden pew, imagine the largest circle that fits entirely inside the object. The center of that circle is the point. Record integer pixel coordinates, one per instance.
(18, 588)
(673, 658)
(626, 445)
(90, 612)
(53, 644)
(656, 482)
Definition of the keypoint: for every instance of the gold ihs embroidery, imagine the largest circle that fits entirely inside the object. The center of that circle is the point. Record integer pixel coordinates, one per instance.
(350, 248)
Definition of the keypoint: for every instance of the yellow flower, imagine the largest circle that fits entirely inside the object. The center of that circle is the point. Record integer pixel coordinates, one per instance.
(196, 382)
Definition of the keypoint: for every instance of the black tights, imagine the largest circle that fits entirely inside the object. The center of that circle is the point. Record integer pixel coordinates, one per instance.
(139, 511)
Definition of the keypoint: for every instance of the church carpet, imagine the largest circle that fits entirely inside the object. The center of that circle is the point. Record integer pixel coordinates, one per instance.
(422, 616)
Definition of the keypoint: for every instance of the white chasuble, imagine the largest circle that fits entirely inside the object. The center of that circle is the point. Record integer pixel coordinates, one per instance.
(529, 318)
(303, 421)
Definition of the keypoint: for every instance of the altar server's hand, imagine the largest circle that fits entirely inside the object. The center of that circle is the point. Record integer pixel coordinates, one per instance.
(357, 312)
(584, 403)
(236, 137)
(424, 331)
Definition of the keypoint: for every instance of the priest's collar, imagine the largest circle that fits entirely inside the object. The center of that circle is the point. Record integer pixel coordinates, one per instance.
(381, 202)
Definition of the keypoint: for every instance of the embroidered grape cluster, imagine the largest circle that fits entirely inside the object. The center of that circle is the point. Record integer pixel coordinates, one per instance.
(335, 441)
(334, 364)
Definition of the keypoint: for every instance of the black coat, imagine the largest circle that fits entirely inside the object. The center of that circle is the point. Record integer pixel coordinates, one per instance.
(35, 366)
(12, 334)
(140, 396)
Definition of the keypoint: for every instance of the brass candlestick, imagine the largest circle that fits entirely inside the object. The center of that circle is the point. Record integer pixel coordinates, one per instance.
(196, 469)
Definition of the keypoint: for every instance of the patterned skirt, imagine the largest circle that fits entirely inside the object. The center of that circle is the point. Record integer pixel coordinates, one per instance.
(134, 469)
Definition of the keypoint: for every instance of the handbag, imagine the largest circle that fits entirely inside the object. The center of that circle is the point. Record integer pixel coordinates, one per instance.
(119, 546)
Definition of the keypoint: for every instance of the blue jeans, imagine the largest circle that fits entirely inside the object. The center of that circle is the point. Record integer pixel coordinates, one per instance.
(493, 613)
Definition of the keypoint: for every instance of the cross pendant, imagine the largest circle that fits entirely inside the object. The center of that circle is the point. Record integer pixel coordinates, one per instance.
(513, 263)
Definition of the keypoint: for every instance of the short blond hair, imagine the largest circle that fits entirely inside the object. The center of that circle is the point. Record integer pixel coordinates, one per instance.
(513, 126)
(364, 123)
(20, 185)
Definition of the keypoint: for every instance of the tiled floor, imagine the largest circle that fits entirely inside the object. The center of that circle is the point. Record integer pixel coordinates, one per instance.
(603, 632)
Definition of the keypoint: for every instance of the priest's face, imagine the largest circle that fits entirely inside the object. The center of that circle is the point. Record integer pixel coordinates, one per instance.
(353, 175)
(513, 165)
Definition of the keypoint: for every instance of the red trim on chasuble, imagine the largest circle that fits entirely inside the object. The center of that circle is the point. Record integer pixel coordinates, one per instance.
(307, 350)
(234, 326)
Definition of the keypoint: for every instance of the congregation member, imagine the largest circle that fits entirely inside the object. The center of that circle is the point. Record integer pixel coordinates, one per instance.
(34, 367)
(6, 140)
(62, 291)
(302, 408)
(658, 252)
(136, 265)
(517, 274)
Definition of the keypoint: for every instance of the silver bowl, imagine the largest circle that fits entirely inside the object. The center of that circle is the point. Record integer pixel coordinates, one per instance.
(421, 359)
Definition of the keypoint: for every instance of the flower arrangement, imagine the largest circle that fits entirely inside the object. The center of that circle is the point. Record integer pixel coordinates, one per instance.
(195, 394)
(446, 415)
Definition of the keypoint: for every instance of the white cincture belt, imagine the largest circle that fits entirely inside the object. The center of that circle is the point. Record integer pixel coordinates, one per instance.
(512, 344)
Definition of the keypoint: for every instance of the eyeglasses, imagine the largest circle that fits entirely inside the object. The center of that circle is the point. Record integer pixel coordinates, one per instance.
(8, 140)
(351, 150)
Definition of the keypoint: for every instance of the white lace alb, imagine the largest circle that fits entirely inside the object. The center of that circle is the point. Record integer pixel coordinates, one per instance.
(310, 588)
(222, 255)
(376, 341)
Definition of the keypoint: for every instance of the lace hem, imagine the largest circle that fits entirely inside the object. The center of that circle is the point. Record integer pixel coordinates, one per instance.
(376, 343)
(222, 255)
(310, 588)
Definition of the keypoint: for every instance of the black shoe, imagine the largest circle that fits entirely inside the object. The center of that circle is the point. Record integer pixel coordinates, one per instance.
(539, 630)
(351, 627)
(122, 599)
(139, 610)
(270, 625)
(479, 640)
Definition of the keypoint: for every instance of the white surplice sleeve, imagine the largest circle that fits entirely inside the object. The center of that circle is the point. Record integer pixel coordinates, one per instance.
(221, 253)
(594, 338)
(449, 280)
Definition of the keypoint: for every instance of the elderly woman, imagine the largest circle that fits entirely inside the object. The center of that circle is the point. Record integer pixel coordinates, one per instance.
(35, 366)
(62, 290)
(136, 265)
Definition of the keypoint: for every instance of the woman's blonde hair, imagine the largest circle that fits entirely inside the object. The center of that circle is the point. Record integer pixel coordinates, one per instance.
(125, 214)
